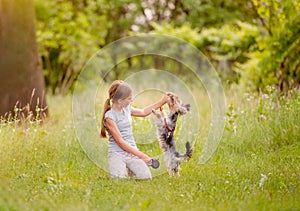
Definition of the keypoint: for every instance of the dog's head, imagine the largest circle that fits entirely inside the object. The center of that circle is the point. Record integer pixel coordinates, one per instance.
(175, 104)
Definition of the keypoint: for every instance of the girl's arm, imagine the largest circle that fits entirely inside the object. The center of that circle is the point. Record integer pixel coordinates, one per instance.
(114, 131)
(148, 110)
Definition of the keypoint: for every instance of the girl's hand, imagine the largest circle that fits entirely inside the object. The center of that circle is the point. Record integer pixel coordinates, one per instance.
(166, 97)
(148, 161)
(154, 163)
(148, 110)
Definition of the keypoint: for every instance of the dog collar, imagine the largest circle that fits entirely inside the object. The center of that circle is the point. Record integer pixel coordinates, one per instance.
(168, 128)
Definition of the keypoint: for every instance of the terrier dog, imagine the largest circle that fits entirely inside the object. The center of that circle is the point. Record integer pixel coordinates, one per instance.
(165, 133)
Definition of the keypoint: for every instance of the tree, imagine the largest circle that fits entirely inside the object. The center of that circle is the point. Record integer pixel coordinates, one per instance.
(68, 33)
(277, 60)
(22, 90)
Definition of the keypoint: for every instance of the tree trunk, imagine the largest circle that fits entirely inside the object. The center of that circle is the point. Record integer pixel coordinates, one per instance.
(21, 75)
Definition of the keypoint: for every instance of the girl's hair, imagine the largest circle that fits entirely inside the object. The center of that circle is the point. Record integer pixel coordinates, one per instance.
(118, 90)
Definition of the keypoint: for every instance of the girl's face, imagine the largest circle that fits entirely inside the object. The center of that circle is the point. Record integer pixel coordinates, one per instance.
(125, 102)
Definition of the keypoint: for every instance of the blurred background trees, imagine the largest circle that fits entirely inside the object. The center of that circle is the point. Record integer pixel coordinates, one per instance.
(22, 89)
(254, 43)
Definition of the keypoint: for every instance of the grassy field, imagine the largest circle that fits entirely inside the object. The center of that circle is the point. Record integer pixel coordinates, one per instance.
(256, 166)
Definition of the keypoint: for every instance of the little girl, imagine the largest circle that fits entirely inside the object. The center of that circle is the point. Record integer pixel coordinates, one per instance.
(116, 120)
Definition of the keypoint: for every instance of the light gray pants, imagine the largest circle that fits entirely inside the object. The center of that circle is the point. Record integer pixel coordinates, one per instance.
(120, 162)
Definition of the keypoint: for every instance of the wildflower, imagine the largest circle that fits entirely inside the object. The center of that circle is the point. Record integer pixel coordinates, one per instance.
(262, 180)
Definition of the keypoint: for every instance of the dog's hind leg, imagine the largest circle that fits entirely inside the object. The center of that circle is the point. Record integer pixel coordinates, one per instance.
(188, 153)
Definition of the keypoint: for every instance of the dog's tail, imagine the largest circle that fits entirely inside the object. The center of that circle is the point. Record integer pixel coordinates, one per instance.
(188, 153)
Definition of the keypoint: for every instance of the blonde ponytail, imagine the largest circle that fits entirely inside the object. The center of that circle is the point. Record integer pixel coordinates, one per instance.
(107, 106)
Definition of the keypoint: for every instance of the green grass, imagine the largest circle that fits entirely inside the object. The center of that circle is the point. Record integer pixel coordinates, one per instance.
(256, 166)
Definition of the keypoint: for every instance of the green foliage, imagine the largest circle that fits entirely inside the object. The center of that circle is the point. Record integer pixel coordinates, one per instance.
(198, 13)
(276, 62)
(226, 47)
(254, 168)
(68, 34)
(255, 43)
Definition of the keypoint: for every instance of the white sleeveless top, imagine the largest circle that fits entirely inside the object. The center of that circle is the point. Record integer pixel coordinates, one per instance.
(123, 121)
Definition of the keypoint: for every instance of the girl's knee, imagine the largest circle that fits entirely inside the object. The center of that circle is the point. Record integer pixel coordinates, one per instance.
(141, 171)
(144, 175)
(139, 168)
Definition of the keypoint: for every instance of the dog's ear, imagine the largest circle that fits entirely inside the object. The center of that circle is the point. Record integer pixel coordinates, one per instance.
(184, 108)
(188, 107)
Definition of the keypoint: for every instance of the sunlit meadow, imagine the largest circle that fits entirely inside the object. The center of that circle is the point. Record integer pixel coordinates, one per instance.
(256, 166)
